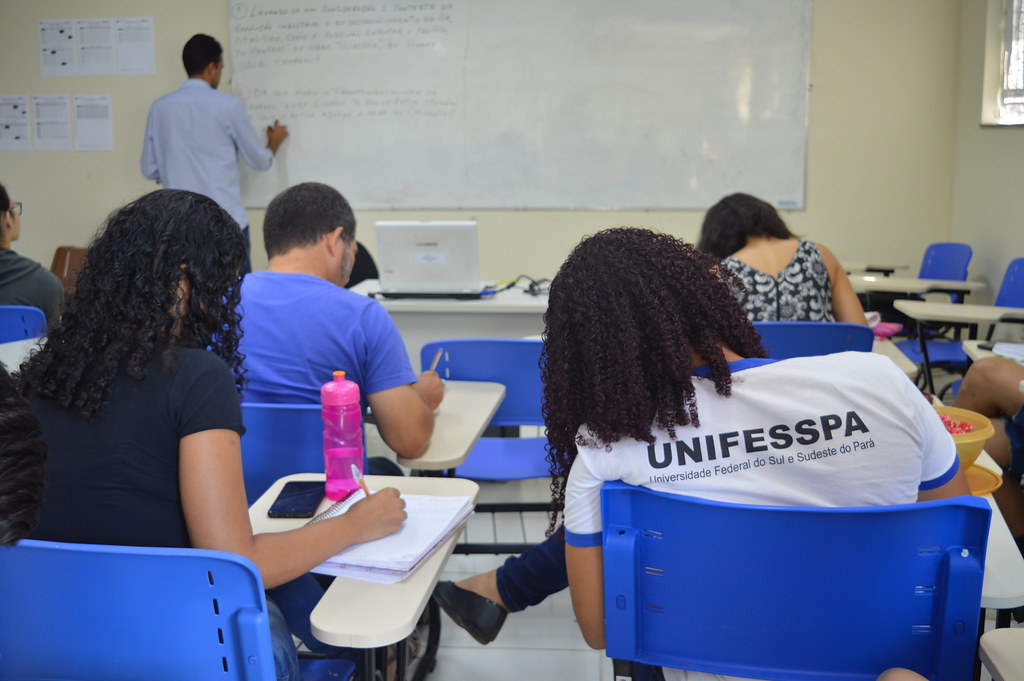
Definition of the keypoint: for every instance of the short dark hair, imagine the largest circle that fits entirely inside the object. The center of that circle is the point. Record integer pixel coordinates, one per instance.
(300, 215)
(199, 51)
(5, 200)
(729, 222)
(22, 464)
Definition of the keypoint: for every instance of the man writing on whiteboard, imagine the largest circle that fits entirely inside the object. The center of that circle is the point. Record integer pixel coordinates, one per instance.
(195, 134)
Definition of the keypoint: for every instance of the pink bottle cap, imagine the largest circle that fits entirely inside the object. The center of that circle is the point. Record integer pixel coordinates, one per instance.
(339, 391)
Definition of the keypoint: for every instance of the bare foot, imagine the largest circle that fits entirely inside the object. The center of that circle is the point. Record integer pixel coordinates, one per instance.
(484, 584)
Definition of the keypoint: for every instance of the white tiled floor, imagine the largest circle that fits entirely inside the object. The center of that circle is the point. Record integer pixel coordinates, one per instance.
(542, 642)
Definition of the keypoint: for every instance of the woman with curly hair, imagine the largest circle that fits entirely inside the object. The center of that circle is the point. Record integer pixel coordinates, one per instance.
(22, 464)
(137, 392)
(654, 376)
(784, 278)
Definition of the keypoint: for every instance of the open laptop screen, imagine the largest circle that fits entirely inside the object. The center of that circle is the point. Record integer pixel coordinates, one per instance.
(436, 257)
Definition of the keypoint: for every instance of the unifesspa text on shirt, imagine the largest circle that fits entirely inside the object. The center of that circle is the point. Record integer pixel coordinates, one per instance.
(781, 436)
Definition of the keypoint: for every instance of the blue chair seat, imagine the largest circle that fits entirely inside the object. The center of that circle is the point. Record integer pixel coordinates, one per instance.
(506, 458)
(515, 363)
(784, 340)
(280, 439)
(120, 613)
(947, 352)
(18, 322)
(793, 593)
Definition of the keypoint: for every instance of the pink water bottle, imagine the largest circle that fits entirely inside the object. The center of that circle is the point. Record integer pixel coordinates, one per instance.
(343, 435)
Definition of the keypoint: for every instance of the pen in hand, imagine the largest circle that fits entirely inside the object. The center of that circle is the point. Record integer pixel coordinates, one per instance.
(437, 358)
(358, 477)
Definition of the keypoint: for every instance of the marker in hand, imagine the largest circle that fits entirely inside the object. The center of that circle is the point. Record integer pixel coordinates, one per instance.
(358, 477)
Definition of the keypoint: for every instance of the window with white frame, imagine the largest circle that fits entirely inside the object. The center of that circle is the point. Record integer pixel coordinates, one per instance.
(1011, 93)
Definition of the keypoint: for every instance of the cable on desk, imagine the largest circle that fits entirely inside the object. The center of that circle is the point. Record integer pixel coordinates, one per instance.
(531, 286)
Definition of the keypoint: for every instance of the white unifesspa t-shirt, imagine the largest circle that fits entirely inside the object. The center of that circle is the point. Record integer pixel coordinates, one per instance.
(838, 430)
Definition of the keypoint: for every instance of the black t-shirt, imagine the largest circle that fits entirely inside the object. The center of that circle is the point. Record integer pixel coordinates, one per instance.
(113, 479)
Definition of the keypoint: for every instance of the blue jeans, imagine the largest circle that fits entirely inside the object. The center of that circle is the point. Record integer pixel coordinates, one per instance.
(1015, 434)
(286, 662)
(535, 574)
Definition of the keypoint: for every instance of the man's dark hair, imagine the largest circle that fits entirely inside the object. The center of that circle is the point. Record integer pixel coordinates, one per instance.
(300, 215)
(199, 51)
(22, 464)
(5, 200)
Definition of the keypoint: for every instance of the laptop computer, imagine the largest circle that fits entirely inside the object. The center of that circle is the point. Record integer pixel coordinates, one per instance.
(428, 259)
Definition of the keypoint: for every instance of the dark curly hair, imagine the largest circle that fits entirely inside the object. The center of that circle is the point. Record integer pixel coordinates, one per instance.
(130, 303)
(626, 312)
(728, 223)
(22, 464)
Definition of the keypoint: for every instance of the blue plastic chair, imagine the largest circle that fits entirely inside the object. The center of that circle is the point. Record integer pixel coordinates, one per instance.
(280, 439)
(18, 322)
(783, 340)
(950, 354)
(1011, 290)
(792, 593)
(515, 363)
(122, 613)
(945, 260)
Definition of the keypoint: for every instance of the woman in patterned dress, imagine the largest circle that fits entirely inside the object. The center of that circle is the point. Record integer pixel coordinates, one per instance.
(786, 278)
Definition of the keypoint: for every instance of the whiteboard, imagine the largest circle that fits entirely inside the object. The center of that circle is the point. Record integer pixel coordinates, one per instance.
(557, 104)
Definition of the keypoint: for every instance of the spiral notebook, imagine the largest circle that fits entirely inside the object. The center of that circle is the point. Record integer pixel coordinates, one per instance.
(391, 559)
(1011, 350)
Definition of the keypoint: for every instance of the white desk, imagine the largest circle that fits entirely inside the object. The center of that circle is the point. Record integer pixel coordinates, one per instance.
(361, 614)
(12, 354)
(975, 353)
(871, 283)
(1003, 585)
(952, 313)
(885, 346)
(508, 314)
(467, 408)
(872, 266)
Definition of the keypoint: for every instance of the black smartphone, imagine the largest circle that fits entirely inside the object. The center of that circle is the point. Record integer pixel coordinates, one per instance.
(298, 499)
(986, 346)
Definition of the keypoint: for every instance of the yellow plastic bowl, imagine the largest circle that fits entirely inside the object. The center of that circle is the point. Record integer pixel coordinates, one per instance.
(969, 445)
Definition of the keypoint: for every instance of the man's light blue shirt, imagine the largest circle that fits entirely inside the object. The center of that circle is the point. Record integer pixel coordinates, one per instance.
(194, 136)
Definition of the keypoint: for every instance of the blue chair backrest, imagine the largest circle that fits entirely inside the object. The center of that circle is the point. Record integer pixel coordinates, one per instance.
(946, 260)
(793, 593)
(783, 340)
(18, 322)
(513, 362)
(122, 613)
(280, 439)
(1011, 291)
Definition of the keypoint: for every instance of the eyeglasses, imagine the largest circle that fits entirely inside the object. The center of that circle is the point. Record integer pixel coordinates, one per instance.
(15, 208)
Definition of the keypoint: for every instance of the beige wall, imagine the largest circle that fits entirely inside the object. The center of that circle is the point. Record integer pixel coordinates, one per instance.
(988, 182)
(883, 113)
